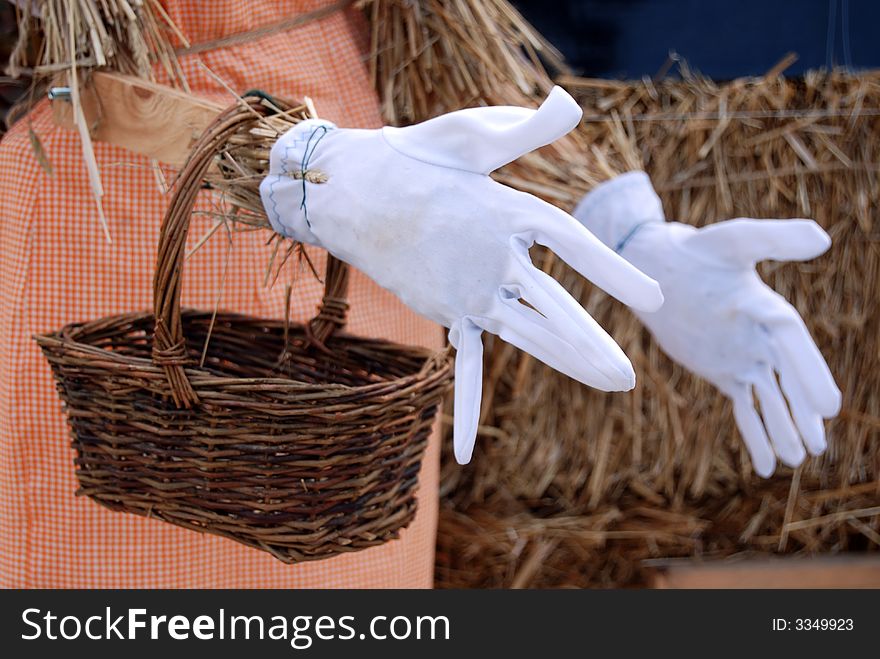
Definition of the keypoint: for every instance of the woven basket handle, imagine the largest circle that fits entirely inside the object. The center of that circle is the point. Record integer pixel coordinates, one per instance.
(169, 346)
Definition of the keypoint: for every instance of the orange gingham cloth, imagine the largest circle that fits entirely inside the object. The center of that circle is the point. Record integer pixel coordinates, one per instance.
(56, 268)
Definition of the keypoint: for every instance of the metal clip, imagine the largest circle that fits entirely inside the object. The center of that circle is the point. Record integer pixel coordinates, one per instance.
(59, 94)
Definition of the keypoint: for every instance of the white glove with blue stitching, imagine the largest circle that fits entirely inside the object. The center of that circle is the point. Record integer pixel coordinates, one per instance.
(720, 320)
(415, 209)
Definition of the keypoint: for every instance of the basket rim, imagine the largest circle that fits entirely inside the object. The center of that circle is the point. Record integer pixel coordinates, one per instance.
(437, 363)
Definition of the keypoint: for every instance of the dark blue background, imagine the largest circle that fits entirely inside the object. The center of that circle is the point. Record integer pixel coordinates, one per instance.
(720, 38)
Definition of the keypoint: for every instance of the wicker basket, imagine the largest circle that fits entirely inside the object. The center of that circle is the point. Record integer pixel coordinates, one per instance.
(297, 440)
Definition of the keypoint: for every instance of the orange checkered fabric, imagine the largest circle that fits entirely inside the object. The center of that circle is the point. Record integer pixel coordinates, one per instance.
(56, 268)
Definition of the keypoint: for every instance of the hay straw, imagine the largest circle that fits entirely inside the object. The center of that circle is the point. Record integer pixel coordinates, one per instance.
(435, 56)
(244, 162)
(235, 178)
(615, 479)
(123, 35)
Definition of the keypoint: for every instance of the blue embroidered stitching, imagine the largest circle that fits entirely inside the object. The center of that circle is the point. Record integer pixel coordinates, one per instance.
(285, 172)
(304, 165)
(629, 236)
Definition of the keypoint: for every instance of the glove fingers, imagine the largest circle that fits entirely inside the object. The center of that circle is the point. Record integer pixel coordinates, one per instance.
(808, 421)
(467, 339)
(797, 353)
(538, 221)
(752, 430)
(596, 360)
(566, 318)
(780, 427)
(483, 139)
(744, 242)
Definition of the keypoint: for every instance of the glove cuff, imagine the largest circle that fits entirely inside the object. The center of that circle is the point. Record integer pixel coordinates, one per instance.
(614, 210)
(284, 191)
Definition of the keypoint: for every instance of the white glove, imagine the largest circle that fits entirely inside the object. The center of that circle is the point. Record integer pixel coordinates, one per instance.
(415, 209)
(720, 320)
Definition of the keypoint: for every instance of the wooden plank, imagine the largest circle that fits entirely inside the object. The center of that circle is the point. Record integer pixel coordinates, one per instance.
(844, 571)
(141, 116)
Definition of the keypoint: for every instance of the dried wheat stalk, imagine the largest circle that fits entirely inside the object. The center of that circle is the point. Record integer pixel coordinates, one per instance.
(127, 36)
(435, 56)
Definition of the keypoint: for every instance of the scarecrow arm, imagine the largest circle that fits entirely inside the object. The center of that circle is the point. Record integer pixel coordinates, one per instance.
(720, 320)
(415, 209)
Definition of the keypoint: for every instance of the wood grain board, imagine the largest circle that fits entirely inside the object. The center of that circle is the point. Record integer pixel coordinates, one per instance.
(146, 118)
(844, 571)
